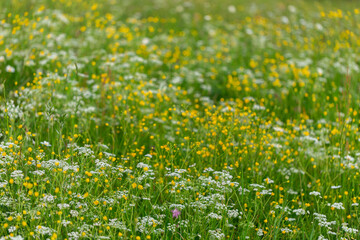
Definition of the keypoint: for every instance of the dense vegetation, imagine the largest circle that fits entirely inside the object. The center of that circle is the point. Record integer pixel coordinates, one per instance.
(171, 119)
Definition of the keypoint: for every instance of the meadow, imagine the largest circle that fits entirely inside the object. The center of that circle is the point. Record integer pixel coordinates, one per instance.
(174, 119)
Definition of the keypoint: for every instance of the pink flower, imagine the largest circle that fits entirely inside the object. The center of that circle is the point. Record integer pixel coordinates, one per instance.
(175, 213)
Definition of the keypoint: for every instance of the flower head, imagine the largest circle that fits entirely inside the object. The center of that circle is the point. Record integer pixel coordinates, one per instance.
(175, 213)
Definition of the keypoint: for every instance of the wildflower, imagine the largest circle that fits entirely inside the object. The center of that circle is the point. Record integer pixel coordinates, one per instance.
(175, 213)
(10, 69)
(231, 9)
(315, 193)
(349, 230)
(45, 143)
(337, 206)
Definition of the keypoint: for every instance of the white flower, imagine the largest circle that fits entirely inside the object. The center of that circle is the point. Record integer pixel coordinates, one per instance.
(217, 234)
(315, 193)
(10, 69)
(233, 213)
(215, 216)
(321, 237)
(292, 192)
(258, 107)
(65, 223)
(268, 180)
(46, 143)
(260, 232)
(349, 230)
(232, 9)
(299, 211)
(338, 206)
(207, 17)
(42, 230)
(256, 186)
(39, 172)
(17, 174)
(266, 191)
(74, 213)
(63, 205)
(286, 230)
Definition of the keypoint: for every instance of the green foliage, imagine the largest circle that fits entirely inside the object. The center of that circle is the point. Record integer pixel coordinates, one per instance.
(179, 119)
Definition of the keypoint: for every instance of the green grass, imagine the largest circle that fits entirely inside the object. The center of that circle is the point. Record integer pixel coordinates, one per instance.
(241, 116)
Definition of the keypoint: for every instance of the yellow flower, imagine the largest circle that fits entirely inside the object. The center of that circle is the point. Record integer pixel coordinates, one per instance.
(54, 236)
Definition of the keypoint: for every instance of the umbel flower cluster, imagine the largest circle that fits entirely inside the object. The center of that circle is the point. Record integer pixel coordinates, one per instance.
(179, 120)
